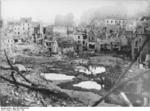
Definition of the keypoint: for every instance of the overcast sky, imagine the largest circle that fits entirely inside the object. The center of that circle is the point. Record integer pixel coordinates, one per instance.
(45, 10)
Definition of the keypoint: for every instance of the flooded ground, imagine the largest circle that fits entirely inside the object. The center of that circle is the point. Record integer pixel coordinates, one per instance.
(88, 85)
(55, 76)
(91, 69)
(97, 69)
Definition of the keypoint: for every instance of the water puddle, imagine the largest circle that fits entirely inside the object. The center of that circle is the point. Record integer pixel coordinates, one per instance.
(97, 69)
(55, 76)
(91, 70)
(88, 85)
(82, 70)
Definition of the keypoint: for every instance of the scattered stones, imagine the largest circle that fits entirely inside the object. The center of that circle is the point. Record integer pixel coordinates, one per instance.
(20, 67)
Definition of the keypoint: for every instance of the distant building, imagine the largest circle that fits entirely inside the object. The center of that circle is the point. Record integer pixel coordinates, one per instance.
(131, 25)
(137, 40)
(24, 27)
(38, 35)
(112, 29)
(21, 29)
(120, 22)
(52, 46)
(136, 44)
(92, 39)
(7, 43)
(145, 18)
(81, 38)
(110, 22)
(108, 44)
(143, 30)
(48, 30)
